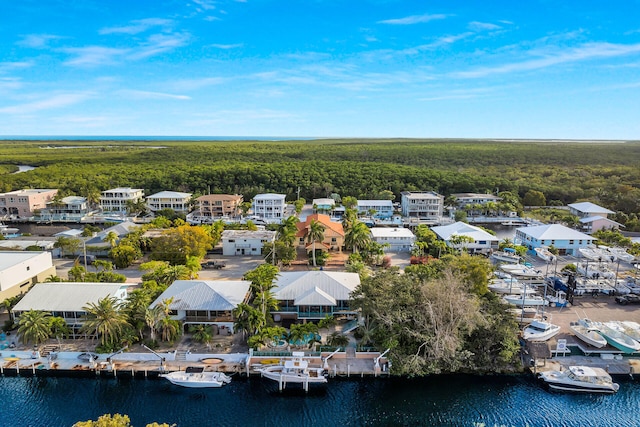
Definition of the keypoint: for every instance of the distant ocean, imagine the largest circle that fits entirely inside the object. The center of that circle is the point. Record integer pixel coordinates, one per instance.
(150, 138)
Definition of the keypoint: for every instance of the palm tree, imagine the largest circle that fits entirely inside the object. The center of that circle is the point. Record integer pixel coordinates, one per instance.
(153, 317)
(336, 339)
(112, 238)
(105, 319)
(202, 333)
(315, 233)
(34, 326)
(358, 236)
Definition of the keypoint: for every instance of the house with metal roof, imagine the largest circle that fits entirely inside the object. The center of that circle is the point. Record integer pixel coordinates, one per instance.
(565, 239)
(19, 270)
(68, 299)
(313, 294)
(479, 240)
(394, 239)
(246, 242)
(379, 209)
(174, 200)
(205, 302)
(587, 209)
(269, 207)
(594, 223)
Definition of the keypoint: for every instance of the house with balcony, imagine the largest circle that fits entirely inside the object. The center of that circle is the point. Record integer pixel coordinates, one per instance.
(425, 206)
(25, 203)
(591, 224)
(67, 209)
(378, 209)
(247, 242)
(118, 199)
(20, 270)
(587, 209)
(333, 234)
(269, 207)
(212, 207)
(476, 240)
(68, 299)
(394, 239)
(312, 295)
(565, 239)
(174, 200)
(205, 302)
(469, 199)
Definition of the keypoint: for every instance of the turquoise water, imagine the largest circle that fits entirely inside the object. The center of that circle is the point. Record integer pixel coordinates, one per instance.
(441, 401)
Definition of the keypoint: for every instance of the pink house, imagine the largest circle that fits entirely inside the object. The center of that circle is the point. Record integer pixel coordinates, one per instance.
(23, 203)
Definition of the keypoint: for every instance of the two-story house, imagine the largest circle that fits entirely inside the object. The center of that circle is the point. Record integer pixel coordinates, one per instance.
(269, 207)
(70, 208)
(333, 234)
(174, 200)
(118, 199)
(212, 207)
(24, 203)
(424, 205)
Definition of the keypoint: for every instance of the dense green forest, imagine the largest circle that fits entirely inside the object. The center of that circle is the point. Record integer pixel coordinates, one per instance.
(606, 173)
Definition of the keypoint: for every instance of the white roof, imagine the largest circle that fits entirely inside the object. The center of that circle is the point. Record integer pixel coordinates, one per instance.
(66, 296)
(24, 244)
(588, 207)
(594, 218)
(72, 232)
(9, 259)
(388, 203)
(170, 195)
(121, 229)
(248, 234)
(123, 190)
(209, 295)
(69, 200)
(269, 196)
(315, 287)
(553, 232)
(395, 232)
(463, 229)
(325, 201)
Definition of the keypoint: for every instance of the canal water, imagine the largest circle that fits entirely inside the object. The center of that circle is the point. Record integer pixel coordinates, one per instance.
(437, 401)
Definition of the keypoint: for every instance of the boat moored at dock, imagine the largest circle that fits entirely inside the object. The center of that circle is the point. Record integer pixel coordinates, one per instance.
(197, 379)
(583, 379)
(295, 370)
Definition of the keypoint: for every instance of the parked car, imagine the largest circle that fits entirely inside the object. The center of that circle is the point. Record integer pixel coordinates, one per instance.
(628, 299)
(216, 265)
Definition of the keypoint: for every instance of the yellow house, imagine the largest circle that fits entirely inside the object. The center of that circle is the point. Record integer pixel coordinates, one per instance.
(333, 233)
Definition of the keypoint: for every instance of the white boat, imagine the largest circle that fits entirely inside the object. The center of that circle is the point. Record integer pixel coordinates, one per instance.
(544, 254)
(617, 339)
(581, 379)
(620, 327)
(197, 379)
(525, 315)
(540, 330)
(509, 286)
(506, 256)
(594, 271)
(295, 370)
(621, 254)
(524, 300)
(585, 332)
(6, 230)
(597, 254)
(521, 271)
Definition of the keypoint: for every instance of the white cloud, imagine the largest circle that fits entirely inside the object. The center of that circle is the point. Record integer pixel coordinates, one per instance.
(141, 94)
(159, 43)
(10, 83)
(10, 66)
(37, 41)
(226, 46)
(415, 19)
(483, 26)
(138, 26)
(52, 102)
(554, 56)
(195, 84)
(91, 56)
(205, 4)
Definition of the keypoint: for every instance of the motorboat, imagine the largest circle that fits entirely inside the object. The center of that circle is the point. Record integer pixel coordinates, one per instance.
(620, 327)
(594, 271)
(544, 254)
(585, 332)
(520, 270)
(599, 254)
(509, 286)
(295, 370)
(197, 379)
(540, 330)
(525, 315)
(617, 339)
(6, 230)
(580, 379)
(506, 256)
(524, 300)
(621, 254)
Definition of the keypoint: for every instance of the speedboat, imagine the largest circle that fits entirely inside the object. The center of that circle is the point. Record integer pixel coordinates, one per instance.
(621, 254)
(540, 330)
(621, 327)
(295, 370)
(583, 331)
(544, 254)
(525, 300)
(506, 256)
(520, 270)
(581, 379)
(509, 286)
(617, 339)
(197, 379)
(597, 254)
(594, 271)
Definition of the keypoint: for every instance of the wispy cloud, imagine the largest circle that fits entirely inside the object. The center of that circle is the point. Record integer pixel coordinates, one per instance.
(414, 19)
(10, 66)
(51, 102)
(195, 84)
(242, 116)
(91, 56)
(551, 57)
(9, 84)
(141, 94)
(37, 41)
(159, 43)
(226, 46)
(482, 26)
(205, 4)
(138, 26)
(460, 94)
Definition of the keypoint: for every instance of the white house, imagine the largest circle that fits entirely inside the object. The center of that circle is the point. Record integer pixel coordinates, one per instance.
(246, 242)
(269, 207)
(20, 270)
(383, 208)
(565, 239)
(399, 239)
(70, 208)
(313, 294)
(175, 200)
(465, 199)
(205, 302)
(479, 240)
(587, 209)
(68, 299)
(424, 205)
(116, 199)
(324, 205)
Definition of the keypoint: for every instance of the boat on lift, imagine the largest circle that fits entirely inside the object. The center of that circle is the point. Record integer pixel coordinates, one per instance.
(540, 330)
(295, 370)
(544, 254)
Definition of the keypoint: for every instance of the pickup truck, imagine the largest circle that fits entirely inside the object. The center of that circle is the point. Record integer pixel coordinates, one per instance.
(216, 265)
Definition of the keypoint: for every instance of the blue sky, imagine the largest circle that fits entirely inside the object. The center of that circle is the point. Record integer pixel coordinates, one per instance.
(343, 68)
